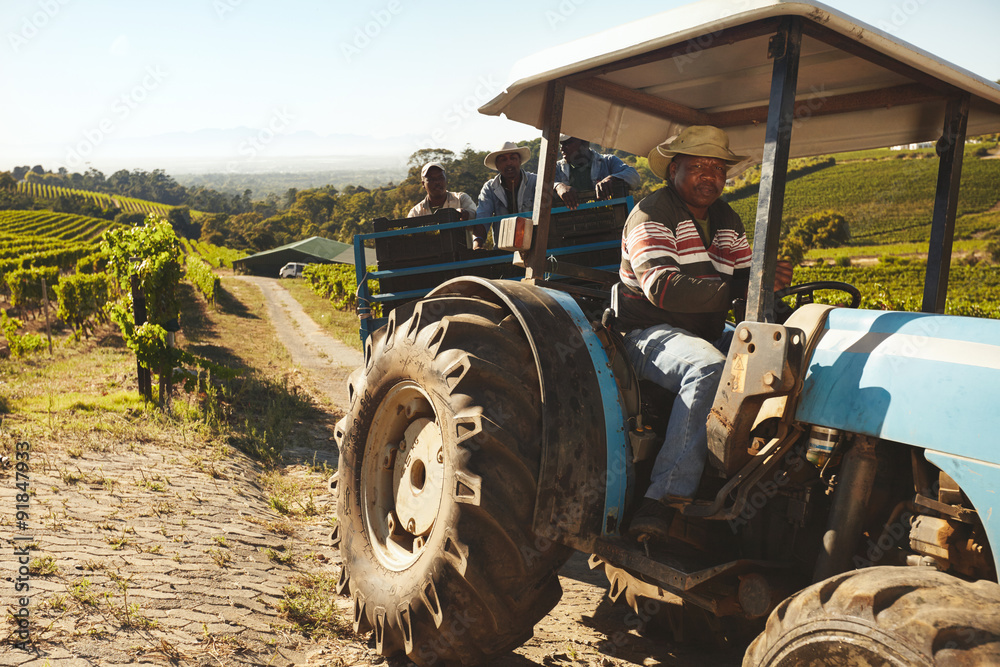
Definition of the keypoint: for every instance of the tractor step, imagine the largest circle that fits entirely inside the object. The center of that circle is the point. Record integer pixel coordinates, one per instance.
(676, 566)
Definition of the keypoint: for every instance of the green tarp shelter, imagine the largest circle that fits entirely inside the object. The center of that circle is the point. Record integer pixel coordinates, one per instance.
(313, 250)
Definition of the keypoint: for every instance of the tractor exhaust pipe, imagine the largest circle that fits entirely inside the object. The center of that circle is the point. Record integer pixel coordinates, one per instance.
(850, 502)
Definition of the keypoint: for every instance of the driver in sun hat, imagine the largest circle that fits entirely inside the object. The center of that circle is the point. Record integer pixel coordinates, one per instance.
(685, 256)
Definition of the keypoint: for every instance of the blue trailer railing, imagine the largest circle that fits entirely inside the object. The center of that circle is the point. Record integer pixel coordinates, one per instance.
(365, 299)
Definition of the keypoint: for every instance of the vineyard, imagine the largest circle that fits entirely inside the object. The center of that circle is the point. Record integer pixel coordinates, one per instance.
(338, 283)
(217, 256)
(46, 239)
(126, 204)
(899, 285)
(38, 225)
(887, 200)
(65, 250)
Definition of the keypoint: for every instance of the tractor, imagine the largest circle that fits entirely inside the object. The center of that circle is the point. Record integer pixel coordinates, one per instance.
(846, 512)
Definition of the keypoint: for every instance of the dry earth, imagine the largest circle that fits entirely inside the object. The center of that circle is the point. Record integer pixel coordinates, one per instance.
(161, 555)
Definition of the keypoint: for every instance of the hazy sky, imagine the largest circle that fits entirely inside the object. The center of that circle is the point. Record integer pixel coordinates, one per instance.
(94, 74)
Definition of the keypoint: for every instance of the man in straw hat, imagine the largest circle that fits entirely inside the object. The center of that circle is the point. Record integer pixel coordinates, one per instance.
(511, 191)
(685, 257)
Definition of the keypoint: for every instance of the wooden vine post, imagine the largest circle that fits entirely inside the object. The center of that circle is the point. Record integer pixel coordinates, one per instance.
(45, 303)
(139, 314)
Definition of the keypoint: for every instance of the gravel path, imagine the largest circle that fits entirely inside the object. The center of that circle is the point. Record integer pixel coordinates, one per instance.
(326, 360)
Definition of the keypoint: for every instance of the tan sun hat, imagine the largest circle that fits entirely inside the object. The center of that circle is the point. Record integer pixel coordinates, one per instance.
(697, 140)
(508, 147)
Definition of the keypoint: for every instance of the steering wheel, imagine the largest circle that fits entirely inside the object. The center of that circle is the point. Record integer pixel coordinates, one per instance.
(803, 292)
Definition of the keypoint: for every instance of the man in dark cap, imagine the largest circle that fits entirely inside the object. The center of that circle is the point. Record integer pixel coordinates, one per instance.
(582, 171)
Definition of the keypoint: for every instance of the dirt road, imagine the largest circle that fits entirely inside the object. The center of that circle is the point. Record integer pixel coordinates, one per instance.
(326, 361)
(584, 628)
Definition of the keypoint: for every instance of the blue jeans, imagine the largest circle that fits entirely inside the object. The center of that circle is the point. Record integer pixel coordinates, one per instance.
(690, 367)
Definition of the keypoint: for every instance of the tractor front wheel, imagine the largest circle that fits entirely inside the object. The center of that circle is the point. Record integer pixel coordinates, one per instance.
(437, 482)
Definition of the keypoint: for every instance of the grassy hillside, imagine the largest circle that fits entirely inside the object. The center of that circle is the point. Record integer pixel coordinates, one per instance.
(887, 199)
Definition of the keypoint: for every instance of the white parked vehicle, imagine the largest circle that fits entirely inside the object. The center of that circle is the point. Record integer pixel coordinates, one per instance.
(292, 270)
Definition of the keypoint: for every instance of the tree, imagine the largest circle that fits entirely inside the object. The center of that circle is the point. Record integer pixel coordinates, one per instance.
(823, 229)
(180, 219)
(421, 157)
(469, 173)
(317, 207)
(130, 219)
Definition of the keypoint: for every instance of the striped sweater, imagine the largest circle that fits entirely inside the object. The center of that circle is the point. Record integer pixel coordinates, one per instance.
(672, 274)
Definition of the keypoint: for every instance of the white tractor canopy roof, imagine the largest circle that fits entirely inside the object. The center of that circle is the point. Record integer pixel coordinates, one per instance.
(708, 64)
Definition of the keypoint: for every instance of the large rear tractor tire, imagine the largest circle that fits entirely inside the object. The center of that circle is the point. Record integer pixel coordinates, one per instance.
(898, 616)
(440, 453)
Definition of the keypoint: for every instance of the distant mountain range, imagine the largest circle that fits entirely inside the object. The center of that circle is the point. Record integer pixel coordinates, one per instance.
(279, 182)
(240, 150)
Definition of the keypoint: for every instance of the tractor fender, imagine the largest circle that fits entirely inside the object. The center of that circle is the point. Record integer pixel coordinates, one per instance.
(583, 477)
(925, 380)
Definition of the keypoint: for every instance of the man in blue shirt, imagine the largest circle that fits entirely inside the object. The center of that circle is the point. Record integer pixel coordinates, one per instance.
(583, 171)
(511, 191)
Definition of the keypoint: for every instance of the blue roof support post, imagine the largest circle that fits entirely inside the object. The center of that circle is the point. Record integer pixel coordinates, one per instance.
(534, 261)
(784, 48)
(364, 304)
(950, 150)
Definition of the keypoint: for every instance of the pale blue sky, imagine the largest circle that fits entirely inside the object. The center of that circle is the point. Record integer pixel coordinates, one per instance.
(107, 72)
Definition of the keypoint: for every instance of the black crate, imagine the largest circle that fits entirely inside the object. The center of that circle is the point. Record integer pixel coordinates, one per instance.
(590, 225)
(435, 247)
(412, 250)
